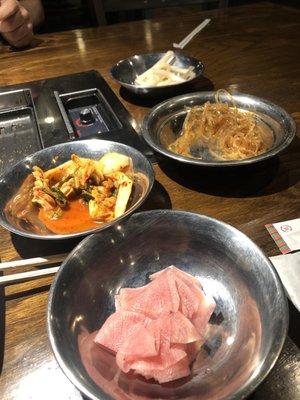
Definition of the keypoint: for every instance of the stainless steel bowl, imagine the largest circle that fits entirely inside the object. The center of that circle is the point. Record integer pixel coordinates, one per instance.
(247, 331)
(53, 156)
(164, 123)
(126, 71)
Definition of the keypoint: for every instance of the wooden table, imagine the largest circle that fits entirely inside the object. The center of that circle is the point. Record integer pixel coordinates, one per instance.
(252, 49)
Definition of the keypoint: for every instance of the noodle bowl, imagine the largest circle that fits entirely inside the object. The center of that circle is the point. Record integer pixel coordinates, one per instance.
(225, 131)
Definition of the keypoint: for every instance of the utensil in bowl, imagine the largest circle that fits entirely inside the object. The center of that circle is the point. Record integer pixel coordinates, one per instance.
(126, 71)
(163, 125)
(191, 35)
(247, 330)
(53, 156)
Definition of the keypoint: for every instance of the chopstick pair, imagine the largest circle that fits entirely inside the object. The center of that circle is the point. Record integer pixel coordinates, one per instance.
(31, 262)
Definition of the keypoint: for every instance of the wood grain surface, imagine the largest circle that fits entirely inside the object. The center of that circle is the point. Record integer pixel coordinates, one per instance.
(253, 49)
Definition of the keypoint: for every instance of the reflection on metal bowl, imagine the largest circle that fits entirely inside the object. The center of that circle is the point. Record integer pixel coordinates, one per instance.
(247, 330)
(54, 156)
(163, 125)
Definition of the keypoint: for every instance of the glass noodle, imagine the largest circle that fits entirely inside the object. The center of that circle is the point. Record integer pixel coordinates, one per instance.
(225, 131)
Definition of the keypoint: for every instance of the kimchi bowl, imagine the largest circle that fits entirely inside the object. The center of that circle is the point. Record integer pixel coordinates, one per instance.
(31, 204)
(247, 329)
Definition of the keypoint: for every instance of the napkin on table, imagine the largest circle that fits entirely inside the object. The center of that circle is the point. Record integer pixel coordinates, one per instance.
(288, 268)
(286, 235)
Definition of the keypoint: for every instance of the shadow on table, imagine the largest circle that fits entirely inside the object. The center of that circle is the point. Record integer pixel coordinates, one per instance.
(27, 247)
(35, 43)
(158, 199)
(280, 384)
(26, 293)
(201, 84)
(294, 325)
(258, 179)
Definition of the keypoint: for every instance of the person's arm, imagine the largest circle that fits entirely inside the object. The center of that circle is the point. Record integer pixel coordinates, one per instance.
(17, 20)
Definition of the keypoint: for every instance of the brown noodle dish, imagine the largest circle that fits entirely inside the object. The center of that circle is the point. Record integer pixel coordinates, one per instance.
(75, 196)
(226, 132)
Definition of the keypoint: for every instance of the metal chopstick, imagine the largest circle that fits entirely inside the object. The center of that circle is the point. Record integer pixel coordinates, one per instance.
(27, 276)
(31, 262)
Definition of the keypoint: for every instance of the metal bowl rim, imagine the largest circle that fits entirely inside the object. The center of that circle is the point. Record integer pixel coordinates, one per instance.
(12, 229)
(254, 380)
(230, 163)
(153, 88)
